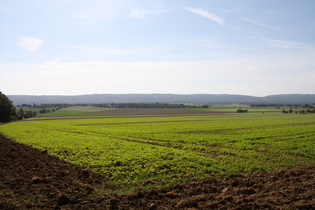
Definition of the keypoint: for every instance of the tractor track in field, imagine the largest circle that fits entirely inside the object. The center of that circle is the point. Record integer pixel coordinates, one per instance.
(32, 179)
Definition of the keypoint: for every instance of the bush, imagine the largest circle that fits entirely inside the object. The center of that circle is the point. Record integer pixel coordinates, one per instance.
(241, 111)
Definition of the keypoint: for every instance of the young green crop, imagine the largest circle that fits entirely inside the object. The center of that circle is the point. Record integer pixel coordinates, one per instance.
(169, 150)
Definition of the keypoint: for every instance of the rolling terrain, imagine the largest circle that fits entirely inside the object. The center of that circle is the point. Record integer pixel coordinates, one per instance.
(32, 179)
(203, 158)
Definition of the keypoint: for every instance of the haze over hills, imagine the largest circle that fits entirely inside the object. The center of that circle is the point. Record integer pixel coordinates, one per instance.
(164, 98)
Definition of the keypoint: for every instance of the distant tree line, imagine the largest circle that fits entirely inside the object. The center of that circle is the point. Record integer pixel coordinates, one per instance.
(21, 114)
(278, 106)
(148, 105)
(298, 111)
(41, 106)
(259, 105)
(46, 108)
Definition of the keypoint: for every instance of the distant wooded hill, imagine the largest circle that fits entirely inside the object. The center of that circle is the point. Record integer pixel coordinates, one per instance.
(164, 98)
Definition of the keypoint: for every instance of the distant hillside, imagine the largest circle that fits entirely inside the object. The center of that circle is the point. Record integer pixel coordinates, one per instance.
(164, 98)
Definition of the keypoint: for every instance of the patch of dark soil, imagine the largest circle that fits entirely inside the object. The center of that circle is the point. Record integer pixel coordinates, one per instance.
(291, 188)
(32, 179)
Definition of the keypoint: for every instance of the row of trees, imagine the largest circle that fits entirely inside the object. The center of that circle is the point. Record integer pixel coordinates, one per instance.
(148, 105)
(21, 114)
(278, 106)
(298, 111)
(46, 110)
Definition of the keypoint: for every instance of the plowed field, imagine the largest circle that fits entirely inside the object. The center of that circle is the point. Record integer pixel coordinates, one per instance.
(31, 179)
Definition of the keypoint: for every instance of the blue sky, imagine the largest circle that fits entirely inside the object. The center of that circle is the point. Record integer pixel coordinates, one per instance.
(73, 47)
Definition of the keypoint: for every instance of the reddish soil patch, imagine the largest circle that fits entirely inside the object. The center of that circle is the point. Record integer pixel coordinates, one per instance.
(32, 179)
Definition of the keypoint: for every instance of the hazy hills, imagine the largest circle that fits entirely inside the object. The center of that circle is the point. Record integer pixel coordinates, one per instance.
(164, 98)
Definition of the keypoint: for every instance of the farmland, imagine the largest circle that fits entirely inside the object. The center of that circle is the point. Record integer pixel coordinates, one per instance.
(143, 149)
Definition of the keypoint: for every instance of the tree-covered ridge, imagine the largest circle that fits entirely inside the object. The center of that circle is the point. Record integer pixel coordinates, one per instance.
(292, 99)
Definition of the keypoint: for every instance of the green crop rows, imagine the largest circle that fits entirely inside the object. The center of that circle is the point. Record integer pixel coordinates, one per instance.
(130, 151)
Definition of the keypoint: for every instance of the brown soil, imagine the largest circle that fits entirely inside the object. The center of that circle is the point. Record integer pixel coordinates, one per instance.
(32, 179)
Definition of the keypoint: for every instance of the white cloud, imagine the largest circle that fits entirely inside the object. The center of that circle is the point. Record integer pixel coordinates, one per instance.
(283, 44)
(55, 61)
(100, 50)
(29, 43)
(259, 24)
(206, 14)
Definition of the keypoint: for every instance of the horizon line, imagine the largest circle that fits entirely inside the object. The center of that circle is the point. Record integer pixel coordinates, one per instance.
(159, 94)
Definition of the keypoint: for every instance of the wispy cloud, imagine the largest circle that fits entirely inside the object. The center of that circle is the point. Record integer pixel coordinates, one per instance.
(206, 14)
(56, 61)
(99, 50)
(29, 43)
(258, 23)
(140, 13)
(283, 44)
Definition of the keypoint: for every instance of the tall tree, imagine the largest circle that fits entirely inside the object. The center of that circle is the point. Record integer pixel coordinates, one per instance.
(7, 110)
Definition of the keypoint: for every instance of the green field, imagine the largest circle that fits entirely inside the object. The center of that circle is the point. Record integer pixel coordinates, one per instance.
(139, 151)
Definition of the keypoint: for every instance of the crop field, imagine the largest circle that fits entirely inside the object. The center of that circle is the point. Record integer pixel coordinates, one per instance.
(144, 149)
